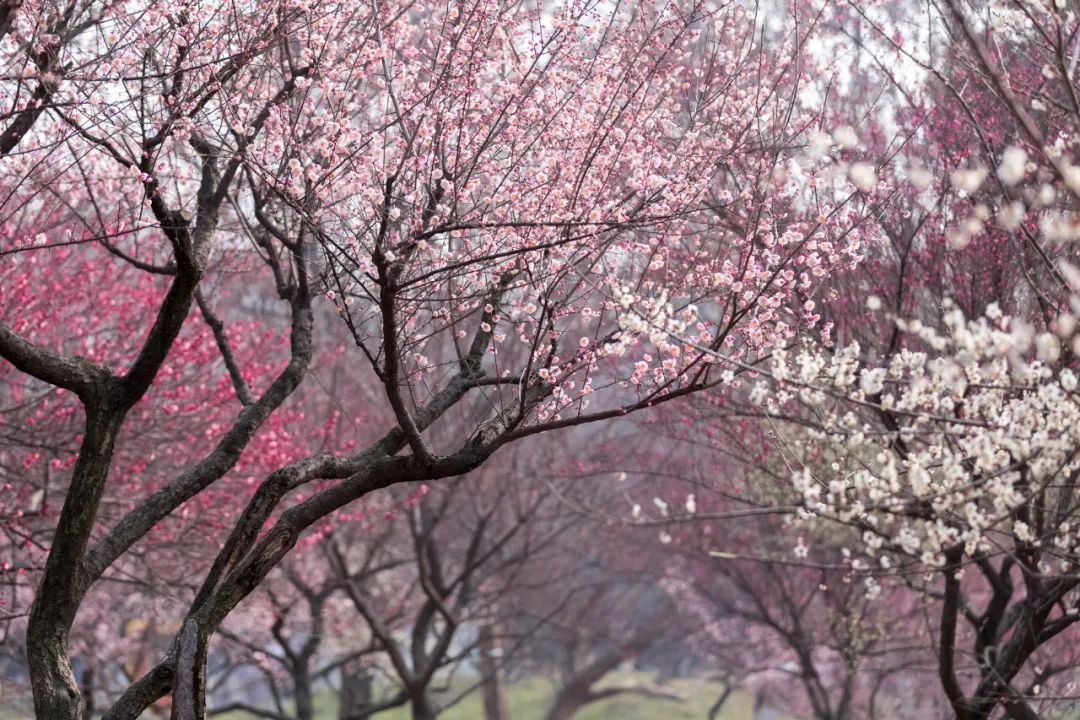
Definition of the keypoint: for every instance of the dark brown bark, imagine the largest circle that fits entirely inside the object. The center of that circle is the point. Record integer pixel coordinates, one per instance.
(189, 687)
(56, 691)
(305, 707)
(950, 610)
(421, 707)
(107, 398)
(143, 693)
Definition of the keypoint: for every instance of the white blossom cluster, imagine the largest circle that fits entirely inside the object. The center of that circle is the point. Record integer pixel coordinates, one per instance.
(973, 443)
(651, 317)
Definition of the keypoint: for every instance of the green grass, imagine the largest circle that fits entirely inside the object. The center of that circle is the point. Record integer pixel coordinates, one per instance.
(529, 699)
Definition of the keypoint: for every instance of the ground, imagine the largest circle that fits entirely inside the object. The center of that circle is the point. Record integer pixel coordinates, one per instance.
(529, 699)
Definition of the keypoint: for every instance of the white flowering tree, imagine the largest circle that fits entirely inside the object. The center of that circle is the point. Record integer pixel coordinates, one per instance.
(937, 440)
(960, 460)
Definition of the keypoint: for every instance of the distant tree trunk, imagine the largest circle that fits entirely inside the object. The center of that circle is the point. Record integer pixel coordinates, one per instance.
(88, 689)
(422, 707)
(714, 711)
(355, 690)
(568, 702)
(577, 690)
(305, 710)
(491, 667)
(762, 709)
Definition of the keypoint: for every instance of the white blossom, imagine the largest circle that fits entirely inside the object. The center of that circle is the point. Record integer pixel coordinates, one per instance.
(981, 425)
(863, 176)
(1013, 165)
(845, 137)
(968, 179)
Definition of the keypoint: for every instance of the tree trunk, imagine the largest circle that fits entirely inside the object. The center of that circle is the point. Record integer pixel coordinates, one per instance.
(422, 707)
(189, 686)
(577, 690)
(491, 668)
(88, 689)
(568, 702)
(355, 690)
(56, 690)
(305, 710)
(56, 693)
(714, 711)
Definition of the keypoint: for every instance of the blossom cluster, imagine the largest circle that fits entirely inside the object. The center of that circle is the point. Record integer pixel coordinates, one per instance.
(969, 442)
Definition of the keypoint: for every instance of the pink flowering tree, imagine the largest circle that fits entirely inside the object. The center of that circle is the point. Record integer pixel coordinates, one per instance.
(509, 206)
(298, 633)
(459, 550)
(800, 632)
(593, 607)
